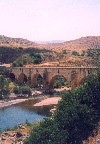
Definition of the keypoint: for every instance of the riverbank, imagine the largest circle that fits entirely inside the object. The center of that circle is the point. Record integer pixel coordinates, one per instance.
(4, 103)
(48, 101)
(17, 135)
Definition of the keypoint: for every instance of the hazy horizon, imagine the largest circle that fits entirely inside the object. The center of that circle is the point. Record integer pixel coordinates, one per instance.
(49, 20)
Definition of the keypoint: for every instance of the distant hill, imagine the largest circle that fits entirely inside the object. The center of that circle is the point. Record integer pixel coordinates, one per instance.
(15, 42)
(14, 48)
(78, 45)
(83, 43)
(50, 42)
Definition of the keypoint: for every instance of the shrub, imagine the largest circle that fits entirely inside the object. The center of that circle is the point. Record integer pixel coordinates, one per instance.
(16, 90)
(4, 87)
(83, 53)
(25, 90)
(75, 53)
(59, 81)
(36, 58)
(64, 51)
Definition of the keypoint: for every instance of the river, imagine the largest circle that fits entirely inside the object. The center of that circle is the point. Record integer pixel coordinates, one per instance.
(11, 116)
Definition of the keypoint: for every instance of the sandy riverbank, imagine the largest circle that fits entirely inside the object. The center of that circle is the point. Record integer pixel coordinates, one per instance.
(11, 102)
(62, 89)
(48, 101)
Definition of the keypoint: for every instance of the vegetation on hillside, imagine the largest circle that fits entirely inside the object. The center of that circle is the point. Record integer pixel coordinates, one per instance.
(75, 53)
(75, 119)
(94, 54)
(33, 58)
(10, 54)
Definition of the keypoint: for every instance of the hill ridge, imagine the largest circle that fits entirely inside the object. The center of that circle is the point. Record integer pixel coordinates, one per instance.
(78, 45)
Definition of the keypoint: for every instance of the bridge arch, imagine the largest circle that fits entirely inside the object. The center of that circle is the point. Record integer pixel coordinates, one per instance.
(37, 80)
(73, 75)
(22, 78)
(12, 76)
(57, 81)
(81, 81)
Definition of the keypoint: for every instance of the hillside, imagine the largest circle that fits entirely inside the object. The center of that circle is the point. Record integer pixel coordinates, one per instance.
(15, 42)
(78, 45)
(79, 52)
(10, 54)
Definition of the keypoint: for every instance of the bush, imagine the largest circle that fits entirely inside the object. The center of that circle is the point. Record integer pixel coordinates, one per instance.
(64, 51)
(4, 87)
(59, 81)
(36, 58)
(75, 53)
(25, 90)
(75, 119)
(22, 90)
(83, 53)
(17, 90)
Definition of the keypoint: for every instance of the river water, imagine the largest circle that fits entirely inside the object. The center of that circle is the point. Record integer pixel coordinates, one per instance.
(20, 113)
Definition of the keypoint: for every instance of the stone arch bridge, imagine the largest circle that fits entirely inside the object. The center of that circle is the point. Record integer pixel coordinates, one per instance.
(74, 75)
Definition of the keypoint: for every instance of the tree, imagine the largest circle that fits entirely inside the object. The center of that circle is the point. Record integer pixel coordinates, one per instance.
(83, 53)
(4, 84)
(25, 90)
(64, 51)
(94, 54)
(59, 81)
(36, 58)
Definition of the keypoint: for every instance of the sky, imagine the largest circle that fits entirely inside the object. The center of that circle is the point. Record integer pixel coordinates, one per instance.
(44, 20)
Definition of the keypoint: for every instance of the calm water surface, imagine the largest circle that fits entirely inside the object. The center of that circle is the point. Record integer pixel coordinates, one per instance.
(13, 115)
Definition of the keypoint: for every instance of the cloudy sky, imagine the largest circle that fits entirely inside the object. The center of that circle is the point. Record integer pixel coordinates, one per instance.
(42, 20)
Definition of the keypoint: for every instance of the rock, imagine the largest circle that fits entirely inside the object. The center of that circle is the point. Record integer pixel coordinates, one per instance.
(3, 138)
(98, 141)
(0, 140)
(21, 126)
(5, 134)
(18, 134)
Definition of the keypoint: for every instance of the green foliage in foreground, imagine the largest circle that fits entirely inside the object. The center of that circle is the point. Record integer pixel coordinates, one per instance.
(4, 90)
(75, 119)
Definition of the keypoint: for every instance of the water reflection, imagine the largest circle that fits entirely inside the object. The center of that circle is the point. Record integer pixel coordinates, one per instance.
(44, 110)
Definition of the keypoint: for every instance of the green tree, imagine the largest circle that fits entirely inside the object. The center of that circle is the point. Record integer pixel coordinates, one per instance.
(64, 51)
(16, 90)
(25, 90)
(94, 54)
(36, 58)
(83, 53)
(59, 81)
(4, 90)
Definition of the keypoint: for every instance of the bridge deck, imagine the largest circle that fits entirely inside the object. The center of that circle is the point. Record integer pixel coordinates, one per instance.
(58, 67)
